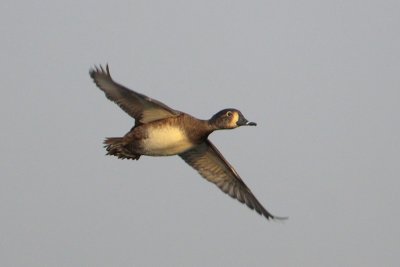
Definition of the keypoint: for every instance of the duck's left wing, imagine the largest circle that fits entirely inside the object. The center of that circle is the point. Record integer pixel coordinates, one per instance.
(210, 163)
(143, 108)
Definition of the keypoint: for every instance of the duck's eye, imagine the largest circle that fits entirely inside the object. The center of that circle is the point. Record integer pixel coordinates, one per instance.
(229, 114)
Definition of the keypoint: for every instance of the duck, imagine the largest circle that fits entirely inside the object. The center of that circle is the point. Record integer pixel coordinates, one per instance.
(162, 131)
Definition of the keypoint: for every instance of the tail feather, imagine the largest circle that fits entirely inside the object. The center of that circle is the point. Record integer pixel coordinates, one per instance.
(116, 146)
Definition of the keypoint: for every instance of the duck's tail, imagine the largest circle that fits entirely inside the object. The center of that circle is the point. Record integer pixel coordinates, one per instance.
(116, 146)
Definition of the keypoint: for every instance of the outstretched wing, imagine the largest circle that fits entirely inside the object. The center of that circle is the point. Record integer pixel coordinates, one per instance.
(210, 163)
(143, 108)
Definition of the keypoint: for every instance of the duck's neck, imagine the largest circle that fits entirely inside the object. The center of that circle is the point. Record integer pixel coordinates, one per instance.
(211, 125)
(207, 126)
(197, 129)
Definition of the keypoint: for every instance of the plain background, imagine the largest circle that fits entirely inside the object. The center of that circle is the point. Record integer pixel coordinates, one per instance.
(321, 79)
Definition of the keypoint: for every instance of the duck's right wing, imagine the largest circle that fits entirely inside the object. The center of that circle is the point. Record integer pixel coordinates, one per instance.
(143, 108)
(210, 163)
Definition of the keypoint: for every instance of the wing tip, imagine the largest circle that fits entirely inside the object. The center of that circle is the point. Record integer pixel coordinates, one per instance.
(259, 208)
(99, 70)
(279, 218)
(269, 216)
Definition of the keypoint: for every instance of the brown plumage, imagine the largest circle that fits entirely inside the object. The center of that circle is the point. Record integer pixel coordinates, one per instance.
(162, 131)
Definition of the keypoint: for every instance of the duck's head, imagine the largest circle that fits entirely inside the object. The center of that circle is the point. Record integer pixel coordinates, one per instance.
(229, 119)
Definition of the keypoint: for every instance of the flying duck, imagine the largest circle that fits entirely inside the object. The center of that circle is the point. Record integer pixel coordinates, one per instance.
(162, 131)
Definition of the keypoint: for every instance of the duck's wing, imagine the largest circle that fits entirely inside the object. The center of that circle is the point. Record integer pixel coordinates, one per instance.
(210, 163)
(143, 108)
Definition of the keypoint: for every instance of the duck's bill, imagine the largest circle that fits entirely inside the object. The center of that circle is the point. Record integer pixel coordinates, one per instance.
(244, 122)
(251, 123)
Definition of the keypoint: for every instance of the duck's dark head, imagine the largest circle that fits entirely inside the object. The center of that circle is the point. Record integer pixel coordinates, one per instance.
(229, 119)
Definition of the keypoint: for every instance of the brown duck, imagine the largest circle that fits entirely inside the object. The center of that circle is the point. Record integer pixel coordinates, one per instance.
(162, 131)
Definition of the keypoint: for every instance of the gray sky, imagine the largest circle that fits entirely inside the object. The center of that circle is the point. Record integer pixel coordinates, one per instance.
(321, 79)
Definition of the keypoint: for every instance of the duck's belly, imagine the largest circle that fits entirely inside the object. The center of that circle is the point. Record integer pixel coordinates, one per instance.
(165, 141)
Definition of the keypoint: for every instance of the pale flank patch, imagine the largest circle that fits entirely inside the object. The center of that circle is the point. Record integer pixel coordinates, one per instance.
(165, 141)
